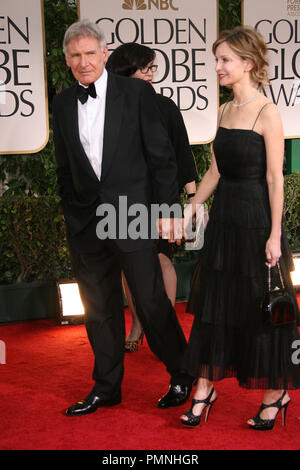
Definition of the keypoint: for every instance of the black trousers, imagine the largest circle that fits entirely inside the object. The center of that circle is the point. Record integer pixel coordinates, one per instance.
(99, 278)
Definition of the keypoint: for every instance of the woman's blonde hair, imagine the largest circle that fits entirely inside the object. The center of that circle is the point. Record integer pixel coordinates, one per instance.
(247, 43)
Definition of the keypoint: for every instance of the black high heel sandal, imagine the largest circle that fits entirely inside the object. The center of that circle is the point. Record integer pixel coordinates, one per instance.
(194, 420)
(268, 424)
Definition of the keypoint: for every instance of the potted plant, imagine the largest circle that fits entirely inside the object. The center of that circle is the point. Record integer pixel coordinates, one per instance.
(34, 256)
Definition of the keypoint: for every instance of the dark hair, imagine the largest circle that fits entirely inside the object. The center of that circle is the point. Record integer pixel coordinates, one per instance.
(128, 58)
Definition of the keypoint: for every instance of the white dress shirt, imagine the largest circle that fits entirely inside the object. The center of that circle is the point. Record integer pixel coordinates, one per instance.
(91, 116)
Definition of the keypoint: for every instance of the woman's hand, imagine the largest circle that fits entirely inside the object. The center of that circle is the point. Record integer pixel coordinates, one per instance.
(273, 251)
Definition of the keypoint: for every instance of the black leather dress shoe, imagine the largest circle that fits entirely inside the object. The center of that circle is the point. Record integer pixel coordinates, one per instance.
(90, 404)
(176, 396)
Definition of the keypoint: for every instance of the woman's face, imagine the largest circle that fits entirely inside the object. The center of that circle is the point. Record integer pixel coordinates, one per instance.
(230, 67)
(146, 73)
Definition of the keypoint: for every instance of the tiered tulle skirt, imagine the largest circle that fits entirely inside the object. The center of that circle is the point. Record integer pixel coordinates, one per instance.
(228, 337)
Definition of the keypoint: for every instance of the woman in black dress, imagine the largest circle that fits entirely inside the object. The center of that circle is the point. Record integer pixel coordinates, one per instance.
(137, 61)
(243, 235)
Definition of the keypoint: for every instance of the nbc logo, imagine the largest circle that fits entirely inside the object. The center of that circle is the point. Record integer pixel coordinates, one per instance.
(128, 4)
(148, 4)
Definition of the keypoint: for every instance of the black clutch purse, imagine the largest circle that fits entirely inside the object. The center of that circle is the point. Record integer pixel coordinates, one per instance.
(277, 305)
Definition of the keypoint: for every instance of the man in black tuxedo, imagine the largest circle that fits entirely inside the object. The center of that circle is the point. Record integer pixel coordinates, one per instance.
(109, 143)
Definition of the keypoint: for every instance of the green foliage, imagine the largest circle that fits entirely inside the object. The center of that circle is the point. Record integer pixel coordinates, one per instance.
(292, 208)
(202, 154)
(32, 240)
(229, 13)
(29, 174)
(229, 17)
(59, 14)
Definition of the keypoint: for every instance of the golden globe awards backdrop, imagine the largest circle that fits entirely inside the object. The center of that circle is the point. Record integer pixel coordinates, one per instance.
(181, 32)
(23, 95)
(279, 23)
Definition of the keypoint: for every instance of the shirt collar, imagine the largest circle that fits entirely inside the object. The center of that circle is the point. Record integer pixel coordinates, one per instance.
(101, 83)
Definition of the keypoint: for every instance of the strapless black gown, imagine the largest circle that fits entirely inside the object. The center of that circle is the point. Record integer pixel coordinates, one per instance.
(228, 338)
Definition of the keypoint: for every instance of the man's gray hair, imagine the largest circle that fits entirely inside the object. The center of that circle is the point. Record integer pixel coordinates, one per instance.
(83, 28)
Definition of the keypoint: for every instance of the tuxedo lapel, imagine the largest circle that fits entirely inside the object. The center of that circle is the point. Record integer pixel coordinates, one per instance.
(113, 119)
(73, 127)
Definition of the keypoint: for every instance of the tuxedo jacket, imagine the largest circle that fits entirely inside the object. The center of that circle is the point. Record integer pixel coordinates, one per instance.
(137, 156)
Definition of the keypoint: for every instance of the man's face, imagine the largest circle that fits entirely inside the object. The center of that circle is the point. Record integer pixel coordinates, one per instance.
(86, 59)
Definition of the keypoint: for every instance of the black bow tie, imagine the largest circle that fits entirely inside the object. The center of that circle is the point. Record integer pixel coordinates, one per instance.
(83, 93)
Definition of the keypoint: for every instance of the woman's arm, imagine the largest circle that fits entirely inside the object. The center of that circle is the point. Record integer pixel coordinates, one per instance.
(274, 141)
(207, 185)
(211, 178)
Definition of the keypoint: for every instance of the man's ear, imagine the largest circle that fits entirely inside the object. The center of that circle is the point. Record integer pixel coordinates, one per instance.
(105, 53)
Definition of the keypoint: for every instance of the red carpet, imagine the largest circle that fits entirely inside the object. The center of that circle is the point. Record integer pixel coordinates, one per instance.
(48, 367)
